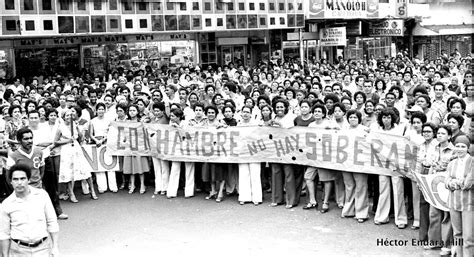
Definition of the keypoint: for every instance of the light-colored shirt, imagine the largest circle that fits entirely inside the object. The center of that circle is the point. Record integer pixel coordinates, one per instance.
(29, 219)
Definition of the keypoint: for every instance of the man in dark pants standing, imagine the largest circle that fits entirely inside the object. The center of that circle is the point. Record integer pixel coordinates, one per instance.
(33, 157)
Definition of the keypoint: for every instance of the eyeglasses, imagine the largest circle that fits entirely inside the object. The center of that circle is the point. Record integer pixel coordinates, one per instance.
(427, 131)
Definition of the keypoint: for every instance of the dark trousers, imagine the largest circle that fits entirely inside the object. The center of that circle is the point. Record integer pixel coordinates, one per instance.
(50, 181)
(290, 177)
(424, 218)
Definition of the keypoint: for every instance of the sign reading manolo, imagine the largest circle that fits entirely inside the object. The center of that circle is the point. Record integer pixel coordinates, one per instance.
(374, 153)
(343, 9)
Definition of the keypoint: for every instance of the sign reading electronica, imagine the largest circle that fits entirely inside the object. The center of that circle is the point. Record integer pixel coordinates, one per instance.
(343, 9)
(387, 28)
(333, 36)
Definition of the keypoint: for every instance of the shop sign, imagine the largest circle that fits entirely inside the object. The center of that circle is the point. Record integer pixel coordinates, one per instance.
(387, 28)
(333, 36)
(343, 9)
(103, 39)
(401, 8)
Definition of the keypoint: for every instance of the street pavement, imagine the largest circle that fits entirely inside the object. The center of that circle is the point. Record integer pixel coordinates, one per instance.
(140, 225)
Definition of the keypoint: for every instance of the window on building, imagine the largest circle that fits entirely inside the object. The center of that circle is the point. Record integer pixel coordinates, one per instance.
(282, 21)
(263, 21)
(196, 22)
(208, 22)
(195, 6)
(47, 25)
(262, 6)
(30, 25)
(114, 24)
(220, 22)
(143, 24)
(81, 5)
(64, 5)
(47, 5)
(383, 1)
(9, 4)
(272, 20)
(219, 6)
(182, 6)
(271, 7)
(281, 6)
(290, 7)
(129, 24)
(28, 5)
(241, 6)
(10, 25)
(251, 6)
(66, 24)
(142, 6)
(230, 6)
(113, 5)
(98, 23)
(156, 6)
(82, 24)
(127, 5)
(170, 6)
(207, 6)
(97, 5)
(300, 6)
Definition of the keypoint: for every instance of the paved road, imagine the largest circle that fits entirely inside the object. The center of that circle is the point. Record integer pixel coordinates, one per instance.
(139, 225)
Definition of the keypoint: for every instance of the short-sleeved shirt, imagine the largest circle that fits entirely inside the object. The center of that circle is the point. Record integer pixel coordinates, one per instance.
(34, 160)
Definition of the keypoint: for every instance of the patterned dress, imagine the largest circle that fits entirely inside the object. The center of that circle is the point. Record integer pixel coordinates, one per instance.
(72, 164)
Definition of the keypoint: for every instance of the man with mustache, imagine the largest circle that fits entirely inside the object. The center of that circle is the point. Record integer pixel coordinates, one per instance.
(28, 155)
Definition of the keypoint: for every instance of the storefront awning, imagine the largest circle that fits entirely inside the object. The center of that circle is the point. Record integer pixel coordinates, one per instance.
(439, 30)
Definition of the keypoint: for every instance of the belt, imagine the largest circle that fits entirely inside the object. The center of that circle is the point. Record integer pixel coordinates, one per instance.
(35, 244)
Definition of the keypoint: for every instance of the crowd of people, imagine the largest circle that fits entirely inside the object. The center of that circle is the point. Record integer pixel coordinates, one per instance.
(46, 118)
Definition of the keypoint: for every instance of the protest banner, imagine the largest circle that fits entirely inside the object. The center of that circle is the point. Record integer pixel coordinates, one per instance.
(434, 189)
(373, 153)
(93, 158)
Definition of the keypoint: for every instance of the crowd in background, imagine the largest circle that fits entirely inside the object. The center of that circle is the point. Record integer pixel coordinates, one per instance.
(428, 101)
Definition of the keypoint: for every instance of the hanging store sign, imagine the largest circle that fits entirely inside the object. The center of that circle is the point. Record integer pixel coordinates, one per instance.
(102, 39)
(333, 36)
(343, 9)
(387, 28)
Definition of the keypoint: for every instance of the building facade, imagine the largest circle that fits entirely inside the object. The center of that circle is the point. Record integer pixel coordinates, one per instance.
(99, 36)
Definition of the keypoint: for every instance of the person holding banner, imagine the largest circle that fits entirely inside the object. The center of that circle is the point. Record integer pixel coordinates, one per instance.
(250, 185)
(423, 165)
(329, 176)
(387, 124)
(320, 121)
(459, 181)
(161, 167)
(231, 180)
(440, 230)
(98, 134)
(121, 111)
(213, 172)
(176, 117)
(283, 119)
(414, 134)
(133, 165)
(67, 139)
(356, 189)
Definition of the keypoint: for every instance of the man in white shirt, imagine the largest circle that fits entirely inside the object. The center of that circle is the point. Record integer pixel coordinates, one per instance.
(28, 223)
